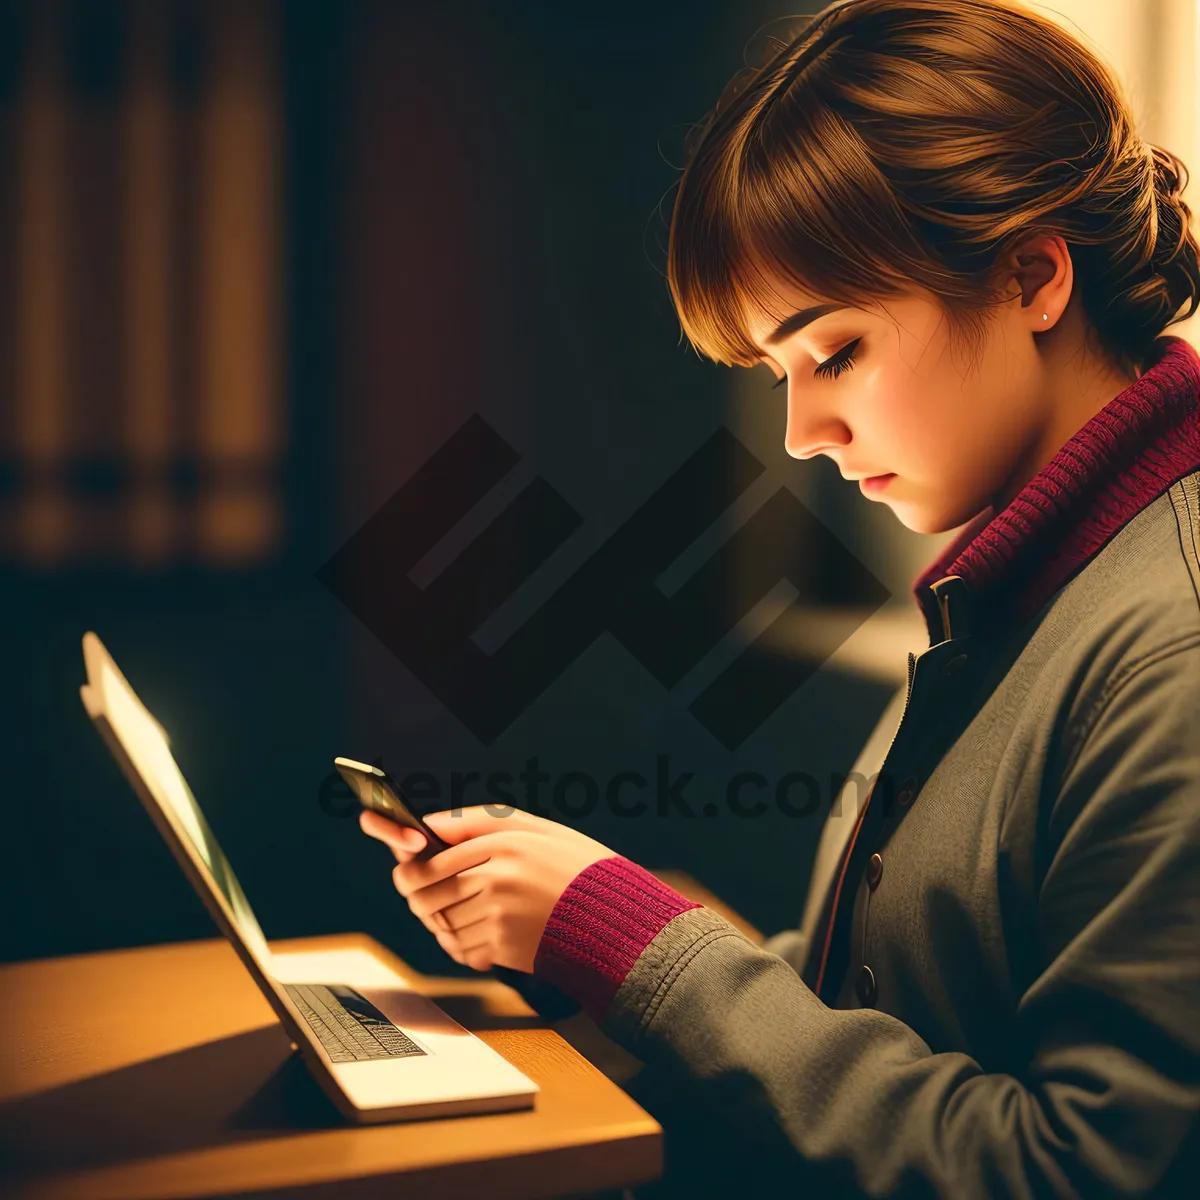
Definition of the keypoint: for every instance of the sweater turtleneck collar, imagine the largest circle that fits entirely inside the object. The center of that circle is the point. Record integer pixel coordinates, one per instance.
(1010, 563)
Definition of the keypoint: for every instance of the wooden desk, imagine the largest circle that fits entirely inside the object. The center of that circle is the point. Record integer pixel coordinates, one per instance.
(161, 1072)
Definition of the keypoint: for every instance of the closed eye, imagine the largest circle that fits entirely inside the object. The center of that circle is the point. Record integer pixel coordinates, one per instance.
(832, 367)
(843, 360)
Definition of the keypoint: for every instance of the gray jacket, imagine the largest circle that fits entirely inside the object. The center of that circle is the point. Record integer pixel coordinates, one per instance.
(1019, 1011)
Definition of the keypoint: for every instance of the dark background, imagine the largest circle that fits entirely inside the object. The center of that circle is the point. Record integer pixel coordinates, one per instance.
(466, 221)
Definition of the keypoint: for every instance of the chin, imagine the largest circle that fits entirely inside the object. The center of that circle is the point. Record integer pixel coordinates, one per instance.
(917, 522)
(925, 520)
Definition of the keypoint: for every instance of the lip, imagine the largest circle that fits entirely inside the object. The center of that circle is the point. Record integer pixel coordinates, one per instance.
(875, 483)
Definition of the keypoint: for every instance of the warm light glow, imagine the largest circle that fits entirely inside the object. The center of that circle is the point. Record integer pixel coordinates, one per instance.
(145, 743)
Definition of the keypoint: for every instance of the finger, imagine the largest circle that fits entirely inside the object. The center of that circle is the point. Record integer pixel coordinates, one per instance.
(403, 842)
(436, 897)
(410, 876)
(468, 912)
(449, 943)
(378, 826)
(480, 950)
(455, 825)
(426, 899)
(480, 959)
(436, 923)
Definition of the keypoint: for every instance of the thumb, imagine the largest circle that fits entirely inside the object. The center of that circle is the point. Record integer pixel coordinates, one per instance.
(454, 825)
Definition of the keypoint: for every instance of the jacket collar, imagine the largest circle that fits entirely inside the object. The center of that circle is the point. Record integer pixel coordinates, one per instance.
(1002, 567)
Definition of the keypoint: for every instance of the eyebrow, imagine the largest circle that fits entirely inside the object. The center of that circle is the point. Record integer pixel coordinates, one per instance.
(798, 320)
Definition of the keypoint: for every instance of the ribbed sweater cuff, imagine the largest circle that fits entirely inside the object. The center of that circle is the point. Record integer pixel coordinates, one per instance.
(610, 912)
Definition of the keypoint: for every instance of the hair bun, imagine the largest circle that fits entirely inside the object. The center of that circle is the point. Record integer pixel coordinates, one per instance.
(899, 143)
(1171, 276)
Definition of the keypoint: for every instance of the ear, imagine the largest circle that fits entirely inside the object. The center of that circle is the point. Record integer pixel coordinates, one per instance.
(1042, 270)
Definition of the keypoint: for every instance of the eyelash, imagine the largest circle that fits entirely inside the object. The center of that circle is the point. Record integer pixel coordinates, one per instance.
(833, 366)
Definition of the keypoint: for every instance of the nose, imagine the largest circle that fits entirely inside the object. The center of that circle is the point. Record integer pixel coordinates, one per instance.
(811, 433)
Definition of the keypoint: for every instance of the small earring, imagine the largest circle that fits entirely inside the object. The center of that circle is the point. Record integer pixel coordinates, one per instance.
(1044, 317)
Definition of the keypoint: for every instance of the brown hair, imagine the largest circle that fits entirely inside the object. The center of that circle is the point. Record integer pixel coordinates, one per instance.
(901, 142)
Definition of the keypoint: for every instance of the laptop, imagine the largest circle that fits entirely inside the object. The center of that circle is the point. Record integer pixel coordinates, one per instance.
(379, 1049)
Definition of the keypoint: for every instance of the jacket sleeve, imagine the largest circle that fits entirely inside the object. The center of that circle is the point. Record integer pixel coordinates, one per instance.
(791, 945)
(854, 1101)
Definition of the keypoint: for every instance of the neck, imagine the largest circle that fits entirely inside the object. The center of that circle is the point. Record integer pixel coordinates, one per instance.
(1071, 397)
(1128, 454)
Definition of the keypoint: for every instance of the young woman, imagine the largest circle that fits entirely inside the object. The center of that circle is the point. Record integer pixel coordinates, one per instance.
(933, 221)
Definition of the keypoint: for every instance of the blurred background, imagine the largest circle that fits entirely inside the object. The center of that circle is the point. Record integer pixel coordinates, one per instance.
(261, 260)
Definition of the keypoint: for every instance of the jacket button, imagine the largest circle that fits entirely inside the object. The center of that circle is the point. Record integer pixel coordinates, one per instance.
(953, 667)
(864, 986)
(908, 791)
(874, 871)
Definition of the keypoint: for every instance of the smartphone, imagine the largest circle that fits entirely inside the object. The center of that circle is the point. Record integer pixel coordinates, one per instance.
(378, 791)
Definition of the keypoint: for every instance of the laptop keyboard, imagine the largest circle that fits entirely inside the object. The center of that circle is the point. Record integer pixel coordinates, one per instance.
(349, 1027)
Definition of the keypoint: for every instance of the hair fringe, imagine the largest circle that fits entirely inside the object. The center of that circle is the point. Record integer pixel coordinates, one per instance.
(893, 143)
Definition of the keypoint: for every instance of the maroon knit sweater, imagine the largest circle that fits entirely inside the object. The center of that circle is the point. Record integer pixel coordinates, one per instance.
(1125, 456)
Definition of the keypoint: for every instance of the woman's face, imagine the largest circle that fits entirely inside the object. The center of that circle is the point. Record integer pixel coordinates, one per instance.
(882, 391)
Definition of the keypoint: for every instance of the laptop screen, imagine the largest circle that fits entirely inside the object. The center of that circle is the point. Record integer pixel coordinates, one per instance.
(146, 746)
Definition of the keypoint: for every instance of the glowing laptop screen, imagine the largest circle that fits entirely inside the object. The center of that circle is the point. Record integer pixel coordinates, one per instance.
(146, 745)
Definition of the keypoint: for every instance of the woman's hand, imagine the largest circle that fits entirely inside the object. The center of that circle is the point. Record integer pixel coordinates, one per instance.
(487, 898)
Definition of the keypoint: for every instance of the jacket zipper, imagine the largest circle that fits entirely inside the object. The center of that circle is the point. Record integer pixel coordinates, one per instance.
(941, 593)
(912, 666)
(866, 916)
(912, 670)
